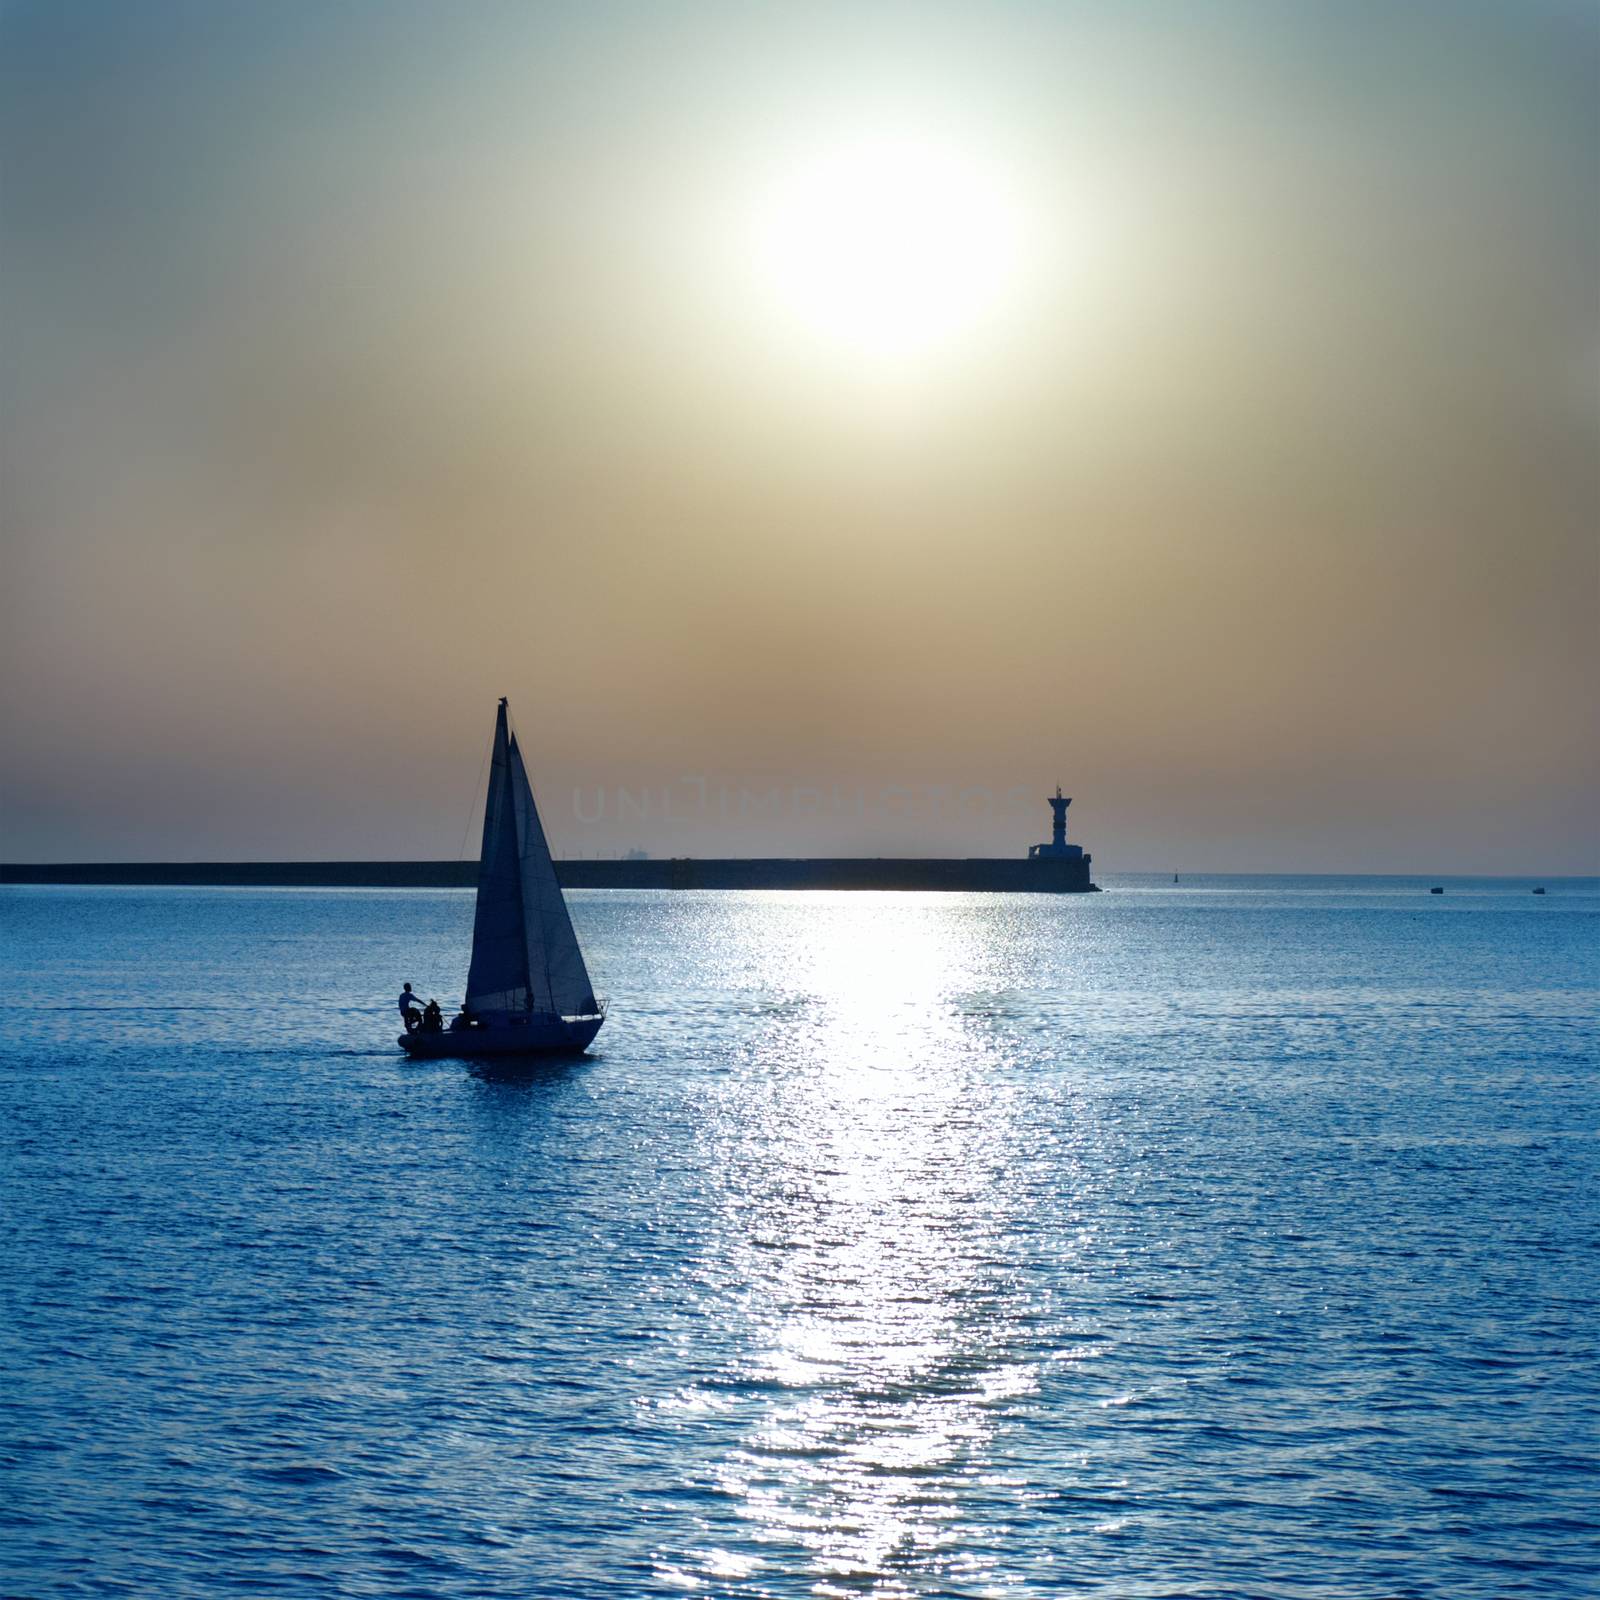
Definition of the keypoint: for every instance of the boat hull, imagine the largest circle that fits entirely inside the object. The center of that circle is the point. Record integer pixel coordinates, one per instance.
(559, 1036)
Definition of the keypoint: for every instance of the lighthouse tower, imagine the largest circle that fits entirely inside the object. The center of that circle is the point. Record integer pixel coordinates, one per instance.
(1058, 849)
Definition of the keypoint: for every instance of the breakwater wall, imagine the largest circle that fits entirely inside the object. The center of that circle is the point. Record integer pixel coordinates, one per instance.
(953, 874)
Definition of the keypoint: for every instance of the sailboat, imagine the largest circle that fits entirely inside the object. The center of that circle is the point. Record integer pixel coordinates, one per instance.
(528, 991)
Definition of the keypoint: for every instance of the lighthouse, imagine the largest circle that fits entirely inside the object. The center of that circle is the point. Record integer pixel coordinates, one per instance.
(1058, 849)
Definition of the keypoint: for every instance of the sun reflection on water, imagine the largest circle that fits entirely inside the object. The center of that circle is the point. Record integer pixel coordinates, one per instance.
(868, 1226)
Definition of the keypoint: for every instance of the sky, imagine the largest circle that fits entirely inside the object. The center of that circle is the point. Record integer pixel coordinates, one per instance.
(832, 426)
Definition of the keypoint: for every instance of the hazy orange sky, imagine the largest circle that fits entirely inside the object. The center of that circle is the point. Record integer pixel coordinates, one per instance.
(830, 425)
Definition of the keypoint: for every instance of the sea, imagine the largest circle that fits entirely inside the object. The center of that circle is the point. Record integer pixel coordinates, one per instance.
(1228, 1237)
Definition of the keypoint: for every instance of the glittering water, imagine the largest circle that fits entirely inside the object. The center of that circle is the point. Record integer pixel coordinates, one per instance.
(1229, 1238)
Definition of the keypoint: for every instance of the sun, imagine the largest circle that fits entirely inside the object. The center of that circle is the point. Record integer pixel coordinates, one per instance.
(888, 246)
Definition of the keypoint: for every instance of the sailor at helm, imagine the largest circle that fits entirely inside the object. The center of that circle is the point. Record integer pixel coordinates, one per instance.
(411, 1017)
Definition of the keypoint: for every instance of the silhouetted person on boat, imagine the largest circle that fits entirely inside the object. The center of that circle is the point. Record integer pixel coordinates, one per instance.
(410, 1009)
(432, 1018)
(464, 1020)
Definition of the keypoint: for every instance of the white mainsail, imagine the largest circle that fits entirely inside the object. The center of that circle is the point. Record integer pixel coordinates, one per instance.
(525, 955)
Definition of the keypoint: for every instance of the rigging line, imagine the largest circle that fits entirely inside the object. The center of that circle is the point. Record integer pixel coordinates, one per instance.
(527, 772)
(544, 930)
(513, 742)
(472, 799)
(544, 916)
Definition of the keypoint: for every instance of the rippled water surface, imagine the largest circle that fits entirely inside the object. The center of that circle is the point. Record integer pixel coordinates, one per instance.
(1230, 1238)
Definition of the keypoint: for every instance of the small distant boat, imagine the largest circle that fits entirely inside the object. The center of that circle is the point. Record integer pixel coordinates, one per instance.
(1538, 891)
(528, 991)
(1437, 889)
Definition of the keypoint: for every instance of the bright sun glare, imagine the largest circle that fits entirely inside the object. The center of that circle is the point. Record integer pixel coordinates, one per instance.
(890, 246)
